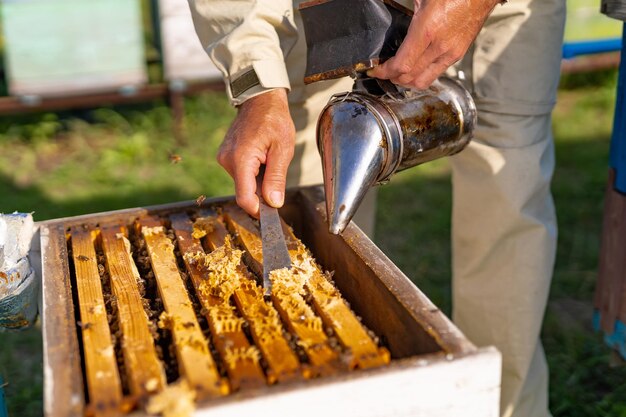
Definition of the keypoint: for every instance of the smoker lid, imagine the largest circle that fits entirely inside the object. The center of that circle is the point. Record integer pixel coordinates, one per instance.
(349, 36)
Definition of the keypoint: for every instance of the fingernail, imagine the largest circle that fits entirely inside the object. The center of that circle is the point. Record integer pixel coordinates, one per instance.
(277, 198)
(370, 72)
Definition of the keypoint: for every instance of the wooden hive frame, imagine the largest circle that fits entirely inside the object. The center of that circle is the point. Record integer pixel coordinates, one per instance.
(225, 325)
(327, 302)
(434, 371)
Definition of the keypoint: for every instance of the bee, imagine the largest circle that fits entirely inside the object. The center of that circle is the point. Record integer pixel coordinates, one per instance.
(175, 158)
(200, 200)
(84, 326)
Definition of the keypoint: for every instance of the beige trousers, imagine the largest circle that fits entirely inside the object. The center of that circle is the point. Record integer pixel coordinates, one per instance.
(504, 225)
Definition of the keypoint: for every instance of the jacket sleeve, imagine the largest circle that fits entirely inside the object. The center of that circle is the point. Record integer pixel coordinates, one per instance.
(248, 41)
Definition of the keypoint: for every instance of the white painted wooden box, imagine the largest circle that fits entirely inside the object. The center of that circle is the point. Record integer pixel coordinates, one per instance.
(184, 58)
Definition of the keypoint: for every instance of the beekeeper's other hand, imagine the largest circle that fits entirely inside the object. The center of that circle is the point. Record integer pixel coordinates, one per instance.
(439, 35)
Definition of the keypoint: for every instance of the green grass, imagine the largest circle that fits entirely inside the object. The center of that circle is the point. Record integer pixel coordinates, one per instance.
(584, 21)
(110, 159)
(583, 384)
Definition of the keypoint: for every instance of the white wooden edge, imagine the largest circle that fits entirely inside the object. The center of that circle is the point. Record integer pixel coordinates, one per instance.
(467, 386)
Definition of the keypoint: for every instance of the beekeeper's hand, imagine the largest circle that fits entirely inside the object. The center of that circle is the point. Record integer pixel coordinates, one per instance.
(262, 133)
(439, 35)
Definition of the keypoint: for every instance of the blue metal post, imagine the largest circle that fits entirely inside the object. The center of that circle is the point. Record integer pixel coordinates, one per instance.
(617, 159)
(598, 46)
(615, 337)
(3, 407)
(617, 156)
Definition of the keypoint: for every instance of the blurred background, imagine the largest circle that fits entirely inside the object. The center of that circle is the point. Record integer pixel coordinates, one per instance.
(109, 104)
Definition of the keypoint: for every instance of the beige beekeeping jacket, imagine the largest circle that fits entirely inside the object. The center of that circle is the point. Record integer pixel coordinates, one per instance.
(249, 41)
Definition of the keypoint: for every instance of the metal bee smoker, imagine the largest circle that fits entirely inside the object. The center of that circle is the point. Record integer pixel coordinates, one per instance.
(366, 135)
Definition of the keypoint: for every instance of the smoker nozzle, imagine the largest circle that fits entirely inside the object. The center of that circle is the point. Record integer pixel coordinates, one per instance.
(353, 140)
(363, 139)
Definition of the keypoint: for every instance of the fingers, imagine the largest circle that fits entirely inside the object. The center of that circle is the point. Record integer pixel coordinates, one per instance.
(414, 77)
(243, 170)
(261, 134)
(245, 187)
(409, 57)
(424, 74)
(275, 179)
(439, 35)
(424, 79)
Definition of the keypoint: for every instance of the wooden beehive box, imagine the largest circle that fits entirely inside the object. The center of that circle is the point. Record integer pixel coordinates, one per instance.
(434, 370)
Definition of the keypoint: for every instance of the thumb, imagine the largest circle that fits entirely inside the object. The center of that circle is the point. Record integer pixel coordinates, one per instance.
(379, 71)
(275, 178)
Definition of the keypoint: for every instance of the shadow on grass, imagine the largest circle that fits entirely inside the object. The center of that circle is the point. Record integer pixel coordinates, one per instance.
(413, 229)
(21, 367)
(32, 199)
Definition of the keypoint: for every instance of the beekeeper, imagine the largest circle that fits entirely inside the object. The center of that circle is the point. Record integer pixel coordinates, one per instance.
(504, 225)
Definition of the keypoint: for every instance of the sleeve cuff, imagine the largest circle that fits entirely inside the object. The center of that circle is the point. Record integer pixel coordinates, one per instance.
(259, 78)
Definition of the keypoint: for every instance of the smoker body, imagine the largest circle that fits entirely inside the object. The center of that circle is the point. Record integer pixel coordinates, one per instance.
(367, 135)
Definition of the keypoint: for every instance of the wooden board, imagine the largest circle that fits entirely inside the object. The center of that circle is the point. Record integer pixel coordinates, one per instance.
(60, 347)
(466, 386)
(103, 379)
(290, 302)
(192, 351)
(336, 314)
(265, 327)
(610, 295)
(391, 305)
(144, 371)
(244, 370)
(326, 299)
